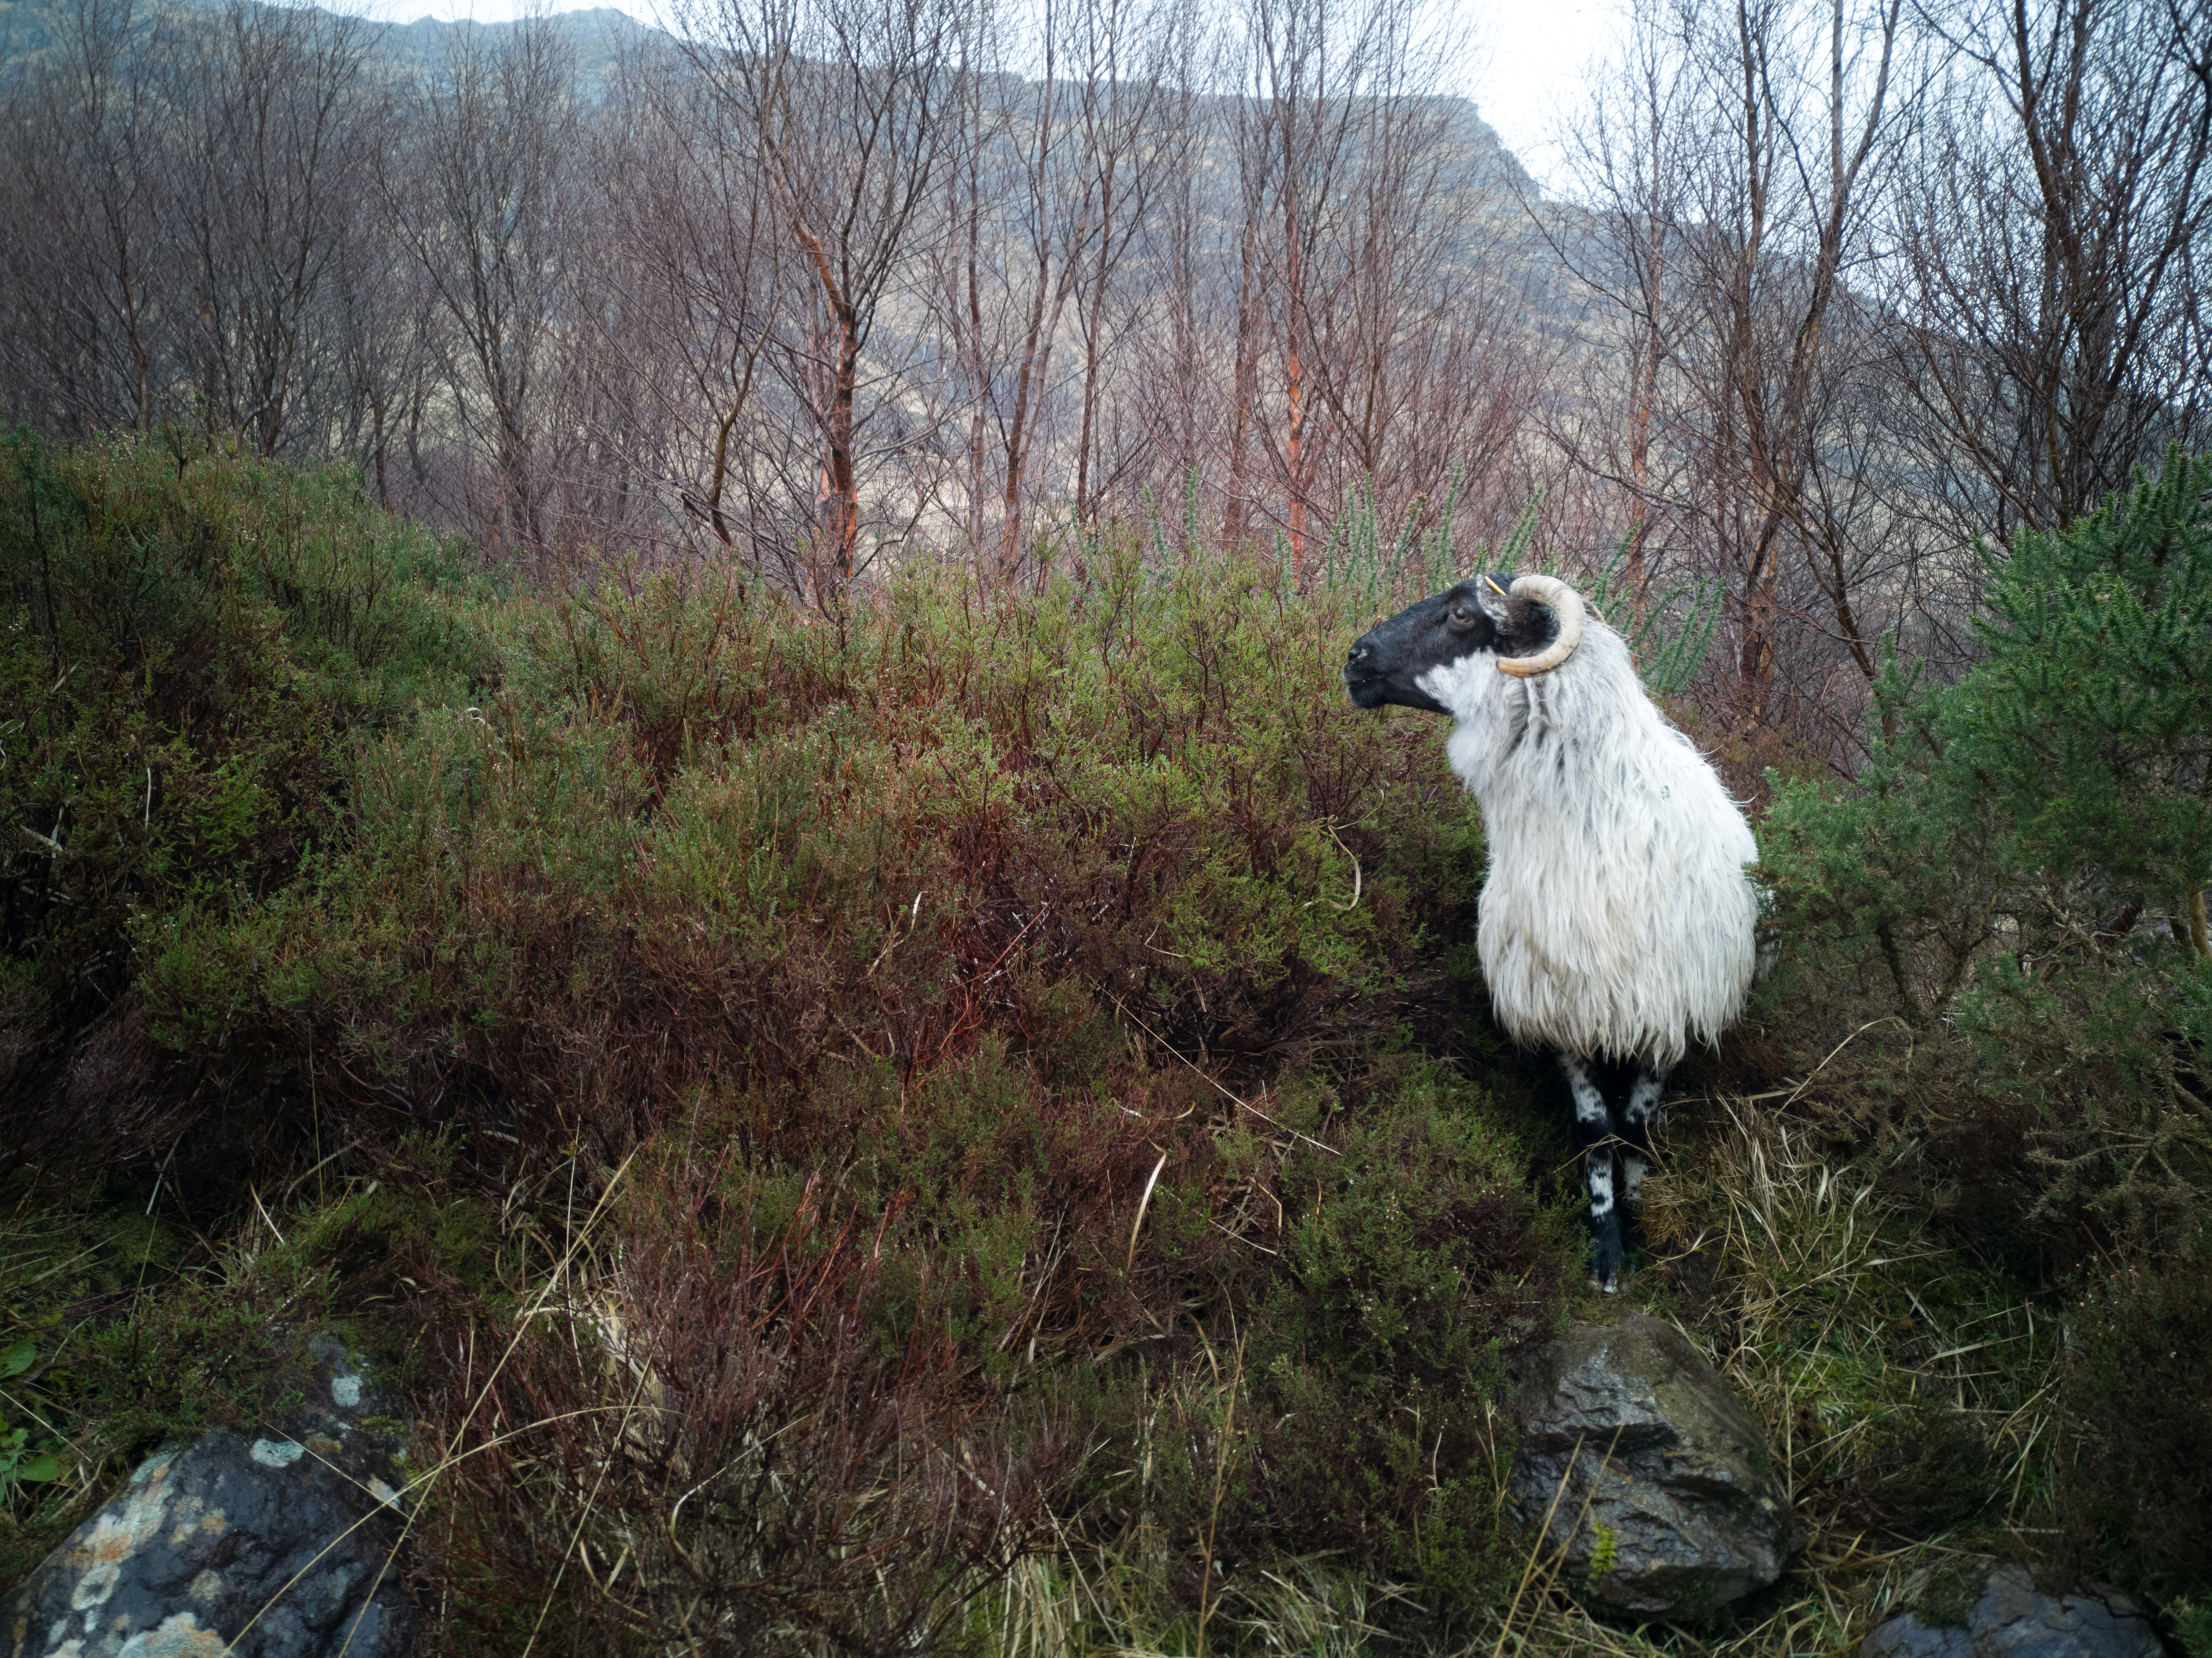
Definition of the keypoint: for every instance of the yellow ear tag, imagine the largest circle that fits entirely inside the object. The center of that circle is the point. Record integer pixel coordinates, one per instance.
(1495, 588)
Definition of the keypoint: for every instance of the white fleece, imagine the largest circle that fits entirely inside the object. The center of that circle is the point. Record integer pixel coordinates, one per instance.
(1618, 916)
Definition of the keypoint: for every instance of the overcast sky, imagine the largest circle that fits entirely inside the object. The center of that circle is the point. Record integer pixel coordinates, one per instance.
(1530, 60)
(1525, 67)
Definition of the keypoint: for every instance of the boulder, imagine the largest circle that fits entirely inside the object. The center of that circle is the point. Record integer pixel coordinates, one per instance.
(2008, 1617)
(279, 1543)
(1640, 1462)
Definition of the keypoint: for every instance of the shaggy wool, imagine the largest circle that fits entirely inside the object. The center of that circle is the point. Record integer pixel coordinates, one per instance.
(1618, 919)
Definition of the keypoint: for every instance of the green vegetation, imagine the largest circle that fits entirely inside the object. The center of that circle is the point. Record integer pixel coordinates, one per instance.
(979, 1119)
(2002, 927)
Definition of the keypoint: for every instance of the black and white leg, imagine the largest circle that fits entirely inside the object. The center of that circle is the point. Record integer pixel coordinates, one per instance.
(1646, 1111)
(1594, 1133)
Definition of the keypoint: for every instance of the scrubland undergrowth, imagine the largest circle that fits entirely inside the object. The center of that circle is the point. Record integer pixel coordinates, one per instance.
(965, 1124)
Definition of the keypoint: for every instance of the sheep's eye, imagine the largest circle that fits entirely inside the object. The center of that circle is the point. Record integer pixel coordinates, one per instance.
(1463, 616)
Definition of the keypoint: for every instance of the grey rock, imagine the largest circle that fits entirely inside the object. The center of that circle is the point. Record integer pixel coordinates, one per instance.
(275, 1545)
(2011, 1619)
(1643, 1465)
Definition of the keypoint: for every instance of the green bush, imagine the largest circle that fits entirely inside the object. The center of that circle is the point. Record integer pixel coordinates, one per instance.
(1352, 1404)
(2000, 928)
(1411, 1264)
(183, 656)
(2022, 863)
(1009, 917)
(1085, 953)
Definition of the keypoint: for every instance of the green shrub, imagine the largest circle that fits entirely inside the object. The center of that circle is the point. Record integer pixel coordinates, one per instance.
(1083, 955)
(1411, 1264)
(1352, 1404)
(183, 655)
(2021, 863)
(2000, 930)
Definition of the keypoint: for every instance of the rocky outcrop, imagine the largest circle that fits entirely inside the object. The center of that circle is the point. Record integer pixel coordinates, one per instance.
(1643, 1464)
(2005, 1616)
(280, 1545)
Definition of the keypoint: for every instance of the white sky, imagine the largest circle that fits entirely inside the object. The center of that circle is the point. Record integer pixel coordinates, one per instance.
(1525, 67)
(1530, 59)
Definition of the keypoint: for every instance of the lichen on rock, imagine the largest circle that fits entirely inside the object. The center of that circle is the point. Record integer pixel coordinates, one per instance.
(280, 1546)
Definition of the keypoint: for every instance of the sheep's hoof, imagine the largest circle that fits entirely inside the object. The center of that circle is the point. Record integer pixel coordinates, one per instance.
(1609, 1261)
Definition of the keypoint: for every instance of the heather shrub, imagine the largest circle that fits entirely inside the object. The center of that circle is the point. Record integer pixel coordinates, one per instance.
(2136, 1472)
(183, 654)
(995, 1006)
(1352, 1404)
(1411, 1264)
(724, 1451)
(1074, 936)
(1121, 831)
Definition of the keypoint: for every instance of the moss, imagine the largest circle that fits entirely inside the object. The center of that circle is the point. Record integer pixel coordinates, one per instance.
(1946, 1597)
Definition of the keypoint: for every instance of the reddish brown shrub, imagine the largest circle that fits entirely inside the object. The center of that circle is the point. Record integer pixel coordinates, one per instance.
(702, 1438)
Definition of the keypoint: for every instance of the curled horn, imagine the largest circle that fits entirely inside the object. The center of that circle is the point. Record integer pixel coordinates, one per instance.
(1565, 603)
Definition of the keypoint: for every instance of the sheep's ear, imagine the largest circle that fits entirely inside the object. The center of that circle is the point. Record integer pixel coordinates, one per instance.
(1526, 626)
(1522, 623)
(1536, 599)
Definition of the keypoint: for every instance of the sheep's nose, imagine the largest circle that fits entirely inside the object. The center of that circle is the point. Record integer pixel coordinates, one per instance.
(1360, 652)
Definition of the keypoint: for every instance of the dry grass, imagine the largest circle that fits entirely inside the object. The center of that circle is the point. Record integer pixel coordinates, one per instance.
(1833, 1313)
(1828, 1305)
(1102, 1603)
(1833, 1310)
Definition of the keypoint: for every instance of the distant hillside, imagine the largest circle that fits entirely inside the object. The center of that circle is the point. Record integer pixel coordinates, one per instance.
(31, 28)
(599, 36)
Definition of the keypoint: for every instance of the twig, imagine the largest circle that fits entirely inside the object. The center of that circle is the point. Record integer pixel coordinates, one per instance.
(1143, 1203)
(1356, 876)
(1247, 1104)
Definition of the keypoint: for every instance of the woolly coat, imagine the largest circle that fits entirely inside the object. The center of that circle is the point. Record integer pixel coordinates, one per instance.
(1618, 917)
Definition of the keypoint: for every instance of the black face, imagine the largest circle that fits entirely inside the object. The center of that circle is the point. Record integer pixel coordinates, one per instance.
(1389, 657)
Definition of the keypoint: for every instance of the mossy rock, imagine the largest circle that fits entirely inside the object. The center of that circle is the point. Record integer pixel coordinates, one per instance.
(1642, 1464)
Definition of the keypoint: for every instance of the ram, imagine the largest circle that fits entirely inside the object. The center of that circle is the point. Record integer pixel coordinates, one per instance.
(1617, 917)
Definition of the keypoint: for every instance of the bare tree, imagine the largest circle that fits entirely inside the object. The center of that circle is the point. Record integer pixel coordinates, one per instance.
(273, 157)
(842, 103)
(1128, 53)
(1412, 317)
(702, 284)
(1368, 348)
(484, 199)
(386, 324)
(1049, 183)
(1172, 373)
(1738, 187)
(2056, 228)
(91, 308)
(1624, 248)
